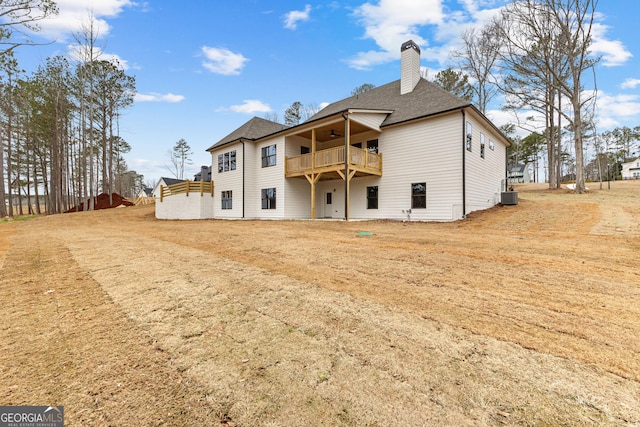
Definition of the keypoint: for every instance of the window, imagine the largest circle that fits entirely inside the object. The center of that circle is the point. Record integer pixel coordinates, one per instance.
(269, 156)
(232, 159)
(419, 195)
(305, 150)
(227, 161)
(357, 145)
(469, 136)
(482, 145)
(372, 197)
(372, 146)
(227, 199)
(329, 198)
(491, 145)
(268, 198)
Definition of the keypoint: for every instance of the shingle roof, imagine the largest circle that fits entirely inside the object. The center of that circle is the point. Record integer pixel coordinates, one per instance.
(171, 181)
(425, 100)
(255, 128)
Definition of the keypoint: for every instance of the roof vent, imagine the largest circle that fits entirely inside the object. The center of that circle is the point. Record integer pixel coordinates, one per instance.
(410, 66)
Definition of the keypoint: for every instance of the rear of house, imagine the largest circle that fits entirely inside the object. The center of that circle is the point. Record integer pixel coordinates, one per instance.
(407, 150)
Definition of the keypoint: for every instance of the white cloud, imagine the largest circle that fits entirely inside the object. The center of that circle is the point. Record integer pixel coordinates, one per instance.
(613, 52)
(292, 18)
(251, 106)
(618, 106)
(75, 15)
(630, 84)
(157, 97)
(223, 61)
(391, 23)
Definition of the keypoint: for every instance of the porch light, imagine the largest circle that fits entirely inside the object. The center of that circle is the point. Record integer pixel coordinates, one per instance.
(334, 134)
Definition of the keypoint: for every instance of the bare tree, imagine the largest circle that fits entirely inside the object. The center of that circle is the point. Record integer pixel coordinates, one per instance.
(478, 60)
(547, 53)
(18, 14)
(362, 89)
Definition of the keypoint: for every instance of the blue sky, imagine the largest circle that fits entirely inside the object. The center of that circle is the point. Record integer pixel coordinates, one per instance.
(203, 68)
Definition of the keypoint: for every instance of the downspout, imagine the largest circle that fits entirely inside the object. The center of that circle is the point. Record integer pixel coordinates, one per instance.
(243, 177)
(464, 164)
(345, 116)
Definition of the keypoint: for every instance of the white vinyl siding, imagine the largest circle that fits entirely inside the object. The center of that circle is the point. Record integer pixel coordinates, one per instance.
(370, 120)
(228, 181)
(484, 175)
(269, 177)
(426, 151)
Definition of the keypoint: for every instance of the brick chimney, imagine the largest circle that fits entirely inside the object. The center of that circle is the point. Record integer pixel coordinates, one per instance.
(410, 66)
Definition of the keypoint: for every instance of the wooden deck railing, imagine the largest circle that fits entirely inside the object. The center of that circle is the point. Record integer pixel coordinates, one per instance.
(334, 157)
(187, 187)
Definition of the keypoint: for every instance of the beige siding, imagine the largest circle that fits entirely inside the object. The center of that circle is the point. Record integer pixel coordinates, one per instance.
(297, 192)
(227, 181)
(427, 151)
(484, 175)
(269, 177)
(370, 120)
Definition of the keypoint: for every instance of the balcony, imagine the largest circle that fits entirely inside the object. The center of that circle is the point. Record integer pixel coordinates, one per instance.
(330, 163)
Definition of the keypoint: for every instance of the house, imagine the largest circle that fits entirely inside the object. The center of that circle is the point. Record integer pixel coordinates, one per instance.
(204, 174)
(164, 182)
(631, 170)
(407, 150)
(145, 196)
(519, 174)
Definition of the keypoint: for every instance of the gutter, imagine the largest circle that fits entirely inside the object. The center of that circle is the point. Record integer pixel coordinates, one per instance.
(243, 176)
(464, 164)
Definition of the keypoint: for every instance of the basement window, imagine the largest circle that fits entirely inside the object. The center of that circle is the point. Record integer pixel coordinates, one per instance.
(268, 198)
(419, 195)
(372, 197)
(227, 199)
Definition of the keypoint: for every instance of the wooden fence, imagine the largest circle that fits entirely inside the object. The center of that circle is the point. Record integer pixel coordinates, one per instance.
(187, 187)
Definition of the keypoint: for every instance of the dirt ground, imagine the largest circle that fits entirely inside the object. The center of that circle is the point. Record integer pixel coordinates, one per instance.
(519, 315)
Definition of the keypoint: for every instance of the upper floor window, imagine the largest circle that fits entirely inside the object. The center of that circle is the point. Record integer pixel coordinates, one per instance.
(482, 145)
(469, 136)
(269, 156)
(372, 146)
(491, 144)
(227, 161)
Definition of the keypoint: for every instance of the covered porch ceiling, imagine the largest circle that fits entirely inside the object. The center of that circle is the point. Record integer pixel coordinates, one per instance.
(333, 131)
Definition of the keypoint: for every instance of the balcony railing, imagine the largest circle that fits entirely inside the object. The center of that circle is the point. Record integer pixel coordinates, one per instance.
(333, 159)
(186, 187)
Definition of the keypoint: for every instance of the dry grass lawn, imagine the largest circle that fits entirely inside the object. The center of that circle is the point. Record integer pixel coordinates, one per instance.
(519, 315)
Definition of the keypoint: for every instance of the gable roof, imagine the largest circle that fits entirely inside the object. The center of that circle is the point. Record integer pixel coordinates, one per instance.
(255, 128)
(425, 100)
(171, 181)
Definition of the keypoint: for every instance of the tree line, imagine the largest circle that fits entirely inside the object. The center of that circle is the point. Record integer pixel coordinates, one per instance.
(59, 125)
(536, 54)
